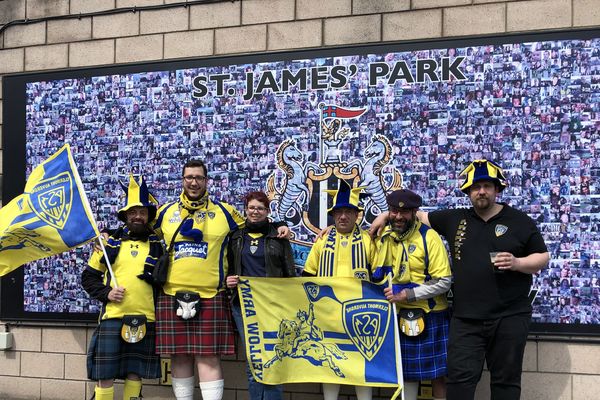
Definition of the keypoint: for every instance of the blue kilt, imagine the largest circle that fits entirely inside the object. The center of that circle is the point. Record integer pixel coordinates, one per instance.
(110, 357)
(424, 356)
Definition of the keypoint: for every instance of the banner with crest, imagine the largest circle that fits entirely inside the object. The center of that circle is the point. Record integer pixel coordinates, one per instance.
(313, 329)
(50, 217)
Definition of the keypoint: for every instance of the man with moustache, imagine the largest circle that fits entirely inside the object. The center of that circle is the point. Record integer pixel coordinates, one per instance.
(492, 310)
(417, 259)
(193, 315)
(491, 307)
(345, 251)
(122, 346)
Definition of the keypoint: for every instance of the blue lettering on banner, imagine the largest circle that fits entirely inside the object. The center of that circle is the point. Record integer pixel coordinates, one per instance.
(191, 249)
(253, 339)
(247, 299)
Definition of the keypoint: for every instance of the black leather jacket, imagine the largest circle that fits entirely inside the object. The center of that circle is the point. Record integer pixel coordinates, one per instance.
(279, 261)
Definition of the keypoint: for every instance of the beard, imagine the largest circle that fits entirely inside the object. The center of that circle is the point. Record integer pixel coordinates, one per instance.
(137, 228)
(403, 228)
(482, 203)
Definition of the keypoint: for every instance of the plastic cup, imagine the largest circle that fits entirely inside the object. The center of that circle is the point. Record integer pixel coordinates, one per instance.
(493, 255)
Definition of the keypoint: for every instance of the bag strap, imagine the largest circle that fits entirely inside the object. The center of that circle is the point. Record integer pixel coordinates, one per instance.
(172, 244)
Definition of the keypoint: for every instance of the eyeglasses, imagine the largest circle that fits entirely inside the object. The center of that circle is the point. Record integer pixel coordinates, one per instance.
(190, 178)
(259, 209)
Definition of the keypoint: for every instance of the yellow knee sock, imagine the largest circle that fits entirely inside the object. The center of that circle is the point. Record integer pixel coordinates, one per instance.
(132, 389)
(104, 393)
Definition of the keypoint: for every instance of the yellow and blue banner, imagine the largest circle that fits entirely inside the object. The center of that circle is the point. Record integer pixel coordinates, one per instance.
(50, 217)
(330, 330)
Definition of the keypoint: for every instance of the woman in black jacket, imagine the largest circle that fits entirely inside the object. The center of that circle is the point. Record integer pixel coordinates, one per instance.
(255, 250)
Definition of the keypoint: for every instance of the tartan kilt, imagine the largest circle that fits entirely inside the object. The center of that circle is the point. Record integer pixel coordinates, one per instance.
(424, 356)
(209, 333)
(110, 357)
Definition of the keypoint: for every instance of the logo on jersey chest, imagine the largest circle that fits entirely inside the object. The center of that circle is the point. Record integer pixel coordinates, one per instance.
(253, 246)
(176, 217)
(500, 230)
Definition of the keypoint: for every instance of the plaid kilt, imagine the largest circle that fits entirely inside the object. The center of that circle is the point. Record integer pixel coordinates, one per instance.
(424, 356)
(110, 357)
(209, 333)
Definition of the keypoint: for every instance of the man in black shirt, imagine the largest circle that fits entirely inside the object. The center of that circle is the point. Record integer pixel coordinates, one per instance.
(492, 311)
(495, 249)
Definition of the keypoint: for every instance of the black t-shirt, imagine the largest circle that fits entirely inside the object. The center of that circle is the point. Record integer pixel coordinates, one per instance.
(479, 292)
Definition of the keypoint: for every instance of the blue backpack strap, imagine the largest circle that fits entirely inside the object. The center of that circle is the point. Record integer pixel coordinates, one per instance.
(423, 231)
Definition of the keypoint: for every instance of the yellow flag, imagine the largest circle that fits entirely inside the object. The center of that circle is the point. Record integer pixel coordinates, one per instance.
(339, 330)
(50, 217)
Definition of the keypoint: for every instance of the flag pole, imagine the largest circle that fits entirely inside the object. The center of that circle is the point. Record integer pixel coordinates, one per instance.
(88, 210)
(321, 106)
(397, 343)
(113, 278)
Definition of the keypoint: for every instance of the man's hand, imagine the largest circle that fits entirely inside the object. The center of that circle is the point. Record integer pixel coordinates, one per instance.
(283, 232)
(232, 281)
(395, 298)
(378, 225)
(530, 264)
(506, 262)
(103, 236)
(117, 294)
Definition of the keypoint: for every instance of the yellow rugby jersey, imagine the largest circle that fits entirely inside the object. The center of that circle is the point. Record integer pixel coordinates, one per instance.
(198, 266)
(412, 264)
(339, 254)
(139, 297)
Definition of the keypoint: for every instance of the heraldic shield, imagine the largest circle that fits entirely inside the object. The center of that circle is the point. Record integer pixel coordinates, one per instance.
(366, 323)
(51, 200)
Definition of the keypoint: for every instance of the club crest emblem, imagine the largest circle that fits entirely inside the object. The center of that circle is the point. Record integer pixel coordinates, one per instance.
(366, 322)
(412, 248)
(51, 200)
(312, 290)
(501, 230)
(297, 187)
(253, 246)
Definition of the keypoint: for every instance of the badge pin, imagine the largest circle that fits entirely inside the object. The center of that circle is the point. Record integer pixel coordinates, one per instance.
(500, 230)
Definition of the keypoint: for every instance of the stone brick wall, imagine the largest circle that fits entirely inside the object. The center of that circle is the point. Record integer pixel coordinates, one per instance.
(48, 362)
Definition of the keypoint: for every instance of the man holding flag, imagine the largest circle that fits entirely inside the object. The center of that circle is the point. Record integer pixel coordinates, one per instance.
(50, 217)
(417, 258)
(346, 251)
(123, 345)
